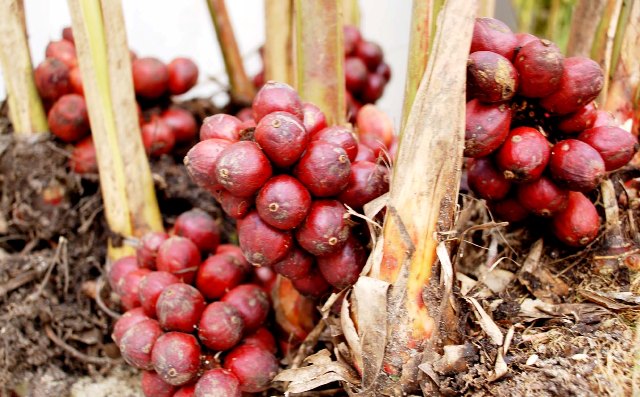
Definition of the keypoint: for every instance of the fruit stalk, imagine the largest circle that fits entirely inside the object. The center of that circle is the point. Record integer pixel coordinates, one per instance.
(421, 205)
(25, 107)
(127, 187)
(419, 40)
(320, 79)
(351, 12)
(242, 89)
(278, 62)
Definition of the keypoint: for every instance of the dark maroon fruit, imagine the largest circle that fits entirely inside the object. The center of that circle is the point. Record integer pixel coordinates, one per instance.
(314, 120)
(220, 327)
(351, 37)
(324, 169)
(129, 287)
(343, 268)
(183, 75)
(374, 88)
(157, 137)
(524, 38)
(68, 118)
(221, 126)
(182, 123)
(217, 382)
(186, 391)
(262, 244)
(580, 120)
(276, 97)
(179, 308)
(254, 367)
(384, 70)
(217, 275)
(150, 77)
(355, 72)
(283, 202)
(176, 358)
(604, 118)
(486, 128)
(201, 162)
(339, 135)
(180, 256)
(150, 288)
(52, 79)
(581, 82)
(251, 302)
(366, 182)
(370, 53)
(365, 154)
(577, 225)
(235, 207)
(509, 210)
(154, 386)
(326, 228)
(312, 285)
(491, 77)
(83, 157)
(576, 165)
(262, 338)
(490, 34)
(137, 342)
(282, 137)
(120, 268)
(235, 252)
(542, 197)
(200, 228)
(242, 168)
(524, 154)
(486, 180)
(615, 145)
(126, 321)
(148, 247)
(539, 64)
(296, 264)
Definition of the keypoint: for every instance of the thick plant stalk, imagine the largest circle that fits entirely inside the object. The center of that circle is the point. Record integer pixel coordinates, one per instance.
(242, 89)
(278, 60)
(421, 204)
(127, 187)
(25, 107)
(320, 56)
(582, 34)
(603, 44)
(351, 12)
(419, 40)
(486, 8)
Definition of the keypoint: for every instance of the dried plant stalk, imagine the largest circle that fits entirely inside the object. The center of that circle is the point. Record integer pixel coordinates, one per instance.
(582, 34)
(25, 107)
(127, 187)
(603, 42)
(320, 56)
(242, 89)
(486, 8)
(278, 61)
(351, 12)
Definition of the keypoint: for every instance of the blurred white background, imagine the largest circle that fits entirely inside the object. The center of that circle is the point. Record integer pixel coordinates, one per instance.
(167, 29)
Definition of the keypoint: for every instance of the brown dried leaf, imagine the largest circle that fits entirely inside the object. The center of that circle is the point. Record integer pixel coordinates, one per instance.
(350, 334)
(609, 299)
(535, 309)
(538, 280)
(487, 324)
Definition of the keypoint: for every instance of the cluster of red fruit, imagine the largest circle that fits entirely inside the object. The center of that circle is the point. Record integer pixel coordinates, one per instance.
(536, 138)
(59, 83)
(287, 181)
(184, 314)
(366, 73)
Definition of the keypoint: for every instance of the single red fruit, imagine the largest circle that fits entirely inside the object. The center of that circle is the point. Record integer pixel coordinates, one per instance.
(365, 154)
(251, 302)
(523, 39)
(150, 288)
(75, 80)
(52, 79)
(282, 137)
(490, 34)
(580, 120)
(242, 168)
(245, 114)
(581, 82)
(201, 162)
(258, 79)
(217, 382)
(67, 34)
(615, 145)
(355, 72)
(179, 308)
(147, 250)
(150, 77)
(343, 268)
(295, 265)
(374, 88)
(367, 181)
(129, 287)
(578, 224)
(157, 137)
(119, 269)
(351, 36)
(235, 207)
(64, 51)
(180, 256)
(542, 197)
(136, 344)
(604, 118)
(372, 121)
(370, 53)
(283, 202)
(182, 123)
(486, 128)
(314, 120)
(83, 157)
(263, 339)
(509, 210)
(236, 254)
(326, 228)
(384, 70)
(217, 275)
(576, 165)
(254, 367)
(486, 180)
(68, 118)
(339, 135)
(491, 77)
(221, 126)
(524, 154)
(176, 358)
(276, 97)
(221, 326)
(324, 169)
(313, 285)
(186, 391)
(539, 64)
(154, 386)
(126, 321)
(262, 244)
(199, 227)
(183, 75)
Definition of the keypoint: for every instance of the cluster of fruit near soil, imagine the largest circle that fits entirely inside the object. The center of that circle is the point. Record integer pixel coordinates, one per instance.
(366, 73)
(287, 181)
(195, 314)
(536, 139)
(59, 84)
